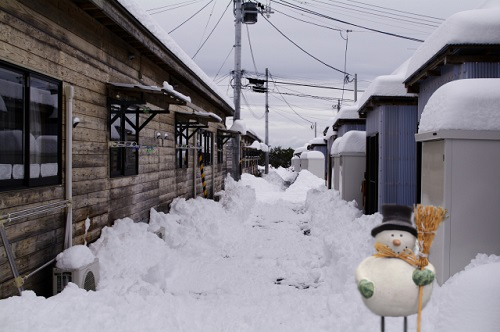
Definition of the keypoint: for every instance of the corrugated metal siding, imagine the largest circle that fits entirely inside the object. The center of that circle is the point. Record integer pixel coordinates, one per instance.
(373, 122)
(348, 127)
(397, 155)
(455, 72)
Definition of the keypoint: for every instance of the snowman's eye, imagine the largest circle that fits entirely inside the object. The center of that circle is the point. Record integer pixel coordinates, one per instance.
(401, 235)
(392, 235)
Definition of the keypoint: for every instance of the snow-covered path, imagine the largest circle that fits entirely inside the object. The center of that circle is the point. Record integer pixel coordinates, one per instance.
(264, 258)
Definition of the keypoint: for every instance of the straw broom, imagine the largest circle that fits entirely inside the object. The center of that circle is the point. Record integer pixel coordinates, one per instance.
(427, 220)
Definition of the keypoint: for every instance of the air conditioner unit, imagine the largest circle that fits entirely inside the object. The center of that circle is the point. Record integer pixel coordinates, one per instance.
(86, 277)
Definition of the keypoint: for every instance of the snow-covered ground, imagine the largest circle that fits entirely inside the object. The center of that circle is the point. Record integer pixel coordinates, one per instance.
(264, 258)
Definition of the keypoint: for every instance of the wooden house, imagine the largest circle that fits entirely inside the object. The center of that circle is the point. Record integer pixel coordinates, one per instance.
(252, 151)
(391, 151)
(102, 116)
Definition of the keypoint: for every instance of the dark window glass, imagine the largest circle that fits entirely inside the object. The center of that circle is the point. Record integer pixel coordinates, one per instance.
(220, 149)
(30, 129)
(181, 145)
(205, 144)
(123, 155)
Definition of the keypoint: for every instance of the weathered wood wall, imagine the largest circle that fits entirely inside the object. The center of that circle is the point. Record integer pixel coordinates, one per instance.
(58, 39)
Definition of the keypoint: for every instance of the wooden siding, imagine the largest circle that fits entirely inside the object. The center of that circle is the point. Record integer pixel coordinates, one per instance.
(60, 40)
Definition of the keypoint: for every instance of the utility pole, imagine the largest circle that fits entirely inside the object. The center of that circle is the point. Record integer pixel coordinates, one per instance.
(315, 132)
(266, 156)
(237, 88)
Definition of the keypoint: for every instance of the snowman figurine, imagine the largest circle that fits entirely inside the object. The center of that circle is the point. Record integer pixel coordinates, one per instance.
(389, 280)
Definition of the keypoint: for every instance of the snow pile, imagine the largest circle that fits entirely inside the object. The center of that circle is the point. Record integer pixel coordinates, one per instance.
(75, 257)
(275, 262)
(465, 302)
(479, 26)
(387, 86)
(239, 199)
(470, 104)
(275, 179)
(285, 174)
(239, 126)
(142, 16)
(353, 141)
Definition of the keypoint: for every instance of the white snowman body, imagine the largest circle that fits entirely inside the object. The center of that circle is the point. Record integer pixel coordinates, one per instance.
(394, 294)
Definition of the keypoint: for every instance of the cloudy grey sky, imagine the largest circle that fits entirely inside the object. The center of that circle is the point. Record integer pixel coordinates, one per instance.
(369, 54)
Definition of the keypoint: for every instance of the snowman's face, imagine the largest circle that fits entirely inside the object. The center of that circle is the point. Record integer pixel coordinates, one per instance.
(396, 240)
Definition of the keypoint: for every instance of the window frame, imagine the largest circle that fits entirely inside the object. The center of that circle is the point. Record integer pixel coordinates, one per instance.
(123, 152)
(181, 145)
(28, 182)
(205, 141)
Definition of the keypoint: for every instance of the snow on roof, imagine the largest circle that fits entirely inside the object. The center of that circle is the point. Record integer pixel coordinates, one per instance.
(147, 21)
(299, 150)
(335, 146)
(303, 155)
(255, 145)
(255, 134)
(330, 132)
(264, 147)
(470, 104)
(478, 26)
(353, 141)
(315, 155)
(239, 126)
(318, 141)
(388, 85)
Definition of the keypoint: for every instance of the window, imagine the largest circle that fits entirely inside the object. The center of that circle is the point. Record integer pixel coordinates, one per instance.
(124, 154)
(181, 145)
(30, 129)
(205, 142)
(220, 149)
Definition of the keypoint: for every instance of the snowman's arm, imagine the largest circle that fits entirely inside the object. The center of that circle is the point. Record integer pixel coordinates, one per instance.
(423, 277)
(365, 286)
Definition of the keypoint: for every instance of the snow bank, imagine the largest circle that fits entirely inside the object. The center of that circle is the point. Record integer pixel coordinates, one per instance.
(286, 175)
(352, 141)
(470, 104)
(75, 257)
(479, 26)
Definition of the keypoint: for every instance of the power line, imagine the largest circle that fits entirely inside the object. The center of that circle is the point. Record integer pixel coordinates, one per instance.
(251, 49)
(315, 86)
(208, 21)
(359, 9)
(227, 57)
(258, 117)
(210, 34)
(399, 11)
(312, 23)
(287, 4)
(172, 6)
(286, 117)
(287, 101)
(177, 27)
(303, 50)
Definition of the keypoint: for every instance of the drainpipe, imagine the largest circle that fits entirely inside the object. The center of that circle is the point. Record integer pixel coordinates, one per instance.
(69, 93)
(195, 158)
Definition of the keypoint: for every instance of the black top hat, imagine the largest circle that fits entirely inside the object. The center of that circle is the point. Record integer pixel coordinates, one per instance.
(396, 217)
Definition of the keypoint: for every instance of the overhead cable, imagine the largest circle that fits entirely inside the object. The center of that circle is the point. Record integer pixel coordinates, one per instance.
(287, 4)
(399, 11)
(190, 17)
(172, 6)
(215, 26)
(303, 50)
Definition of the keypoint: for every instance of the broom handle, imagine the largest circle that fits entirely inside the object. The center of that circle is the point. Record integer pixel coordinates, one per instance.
(420, 295)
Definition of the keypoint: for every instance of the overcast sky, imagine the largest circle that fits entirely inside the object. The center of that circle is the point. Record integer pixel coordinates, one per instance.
(369, 54)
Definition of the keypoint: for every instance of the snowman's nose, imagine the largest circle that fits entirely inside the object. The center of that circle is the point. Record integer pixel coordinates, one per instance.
(396, 242)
